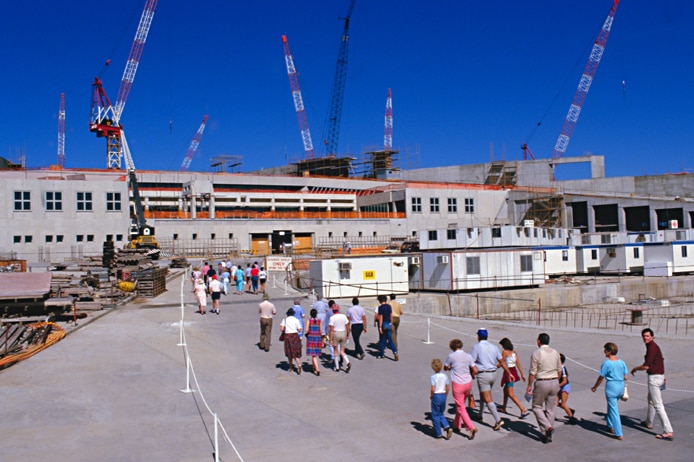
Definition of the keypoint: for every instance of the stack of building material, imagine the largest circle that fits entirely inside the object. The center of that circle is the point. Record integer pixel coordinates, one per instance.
(151, 282)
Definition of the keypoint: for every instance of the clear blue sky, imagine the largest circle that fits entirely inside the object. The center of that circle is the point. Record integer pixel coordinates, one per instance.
(465, 75)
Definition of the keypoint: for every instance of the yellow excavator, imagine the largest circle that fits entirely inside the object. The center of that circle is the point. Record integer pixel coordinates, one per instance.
(141, 235)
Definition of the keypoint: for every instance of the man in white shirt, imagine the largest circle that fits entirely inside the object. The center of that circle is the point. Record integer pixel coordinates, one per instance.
(357, 322)
(339, 334)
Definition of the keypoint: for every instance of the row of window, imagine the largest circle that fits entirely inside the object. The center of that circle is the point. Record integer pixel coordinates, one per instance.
(54, 201)
(434, 205)
(58, 238)
(472, 264)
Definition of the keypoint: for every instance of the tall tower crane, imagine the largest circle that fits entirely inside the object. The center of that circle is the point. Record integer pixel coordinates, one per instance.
(298, 100)
(105, 118)
(338, 92)
(388, 128)
(584, 85)
(61, 132)
(193, 146)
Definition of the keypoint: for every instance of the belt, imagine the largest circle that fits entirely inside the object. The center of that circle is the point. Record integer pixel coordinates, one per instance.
(553, 378)
(488, 372)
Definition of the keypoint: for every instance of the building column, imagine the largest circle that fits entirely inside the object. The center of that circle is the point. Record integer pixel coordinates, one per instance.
(193, 207)
(212, 203)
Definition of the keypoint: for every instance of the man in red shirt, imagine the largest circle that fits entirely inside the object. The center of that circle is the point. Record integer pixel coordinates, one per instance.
(654, 365)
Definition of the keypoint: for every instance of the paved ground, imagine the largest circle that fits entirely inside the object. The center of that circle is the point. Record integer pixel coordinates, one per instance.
(110, 391)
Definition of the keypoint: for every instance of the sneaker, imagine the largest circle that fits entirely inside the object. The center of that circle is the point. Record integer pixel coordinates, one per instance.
(548, 435)
(349, 366)
(498, 425)
(397, 357)
(449, 432)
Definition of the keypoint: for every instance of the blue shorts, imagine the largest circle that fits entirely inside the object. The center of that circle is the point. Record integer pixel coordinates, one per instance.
(565, 389)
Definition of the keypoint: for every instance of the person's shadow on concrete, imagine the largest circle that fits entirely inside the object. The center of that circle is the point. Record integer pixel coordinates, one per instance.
(425, 428)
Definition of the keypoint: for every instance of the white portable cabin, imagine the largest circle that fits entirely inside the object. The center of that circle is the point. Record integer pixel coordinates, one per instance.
(672, 257)
(360, 276)
(610, 258)
(495, 236)
(475, 269)
(415, 273)
(558, 260)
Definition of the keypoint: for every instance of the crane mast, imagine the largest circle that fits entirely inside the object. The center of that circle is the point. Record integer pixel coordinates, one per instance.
(193, 146)
(338, 92)
(388, 128)
(584, 85)
(61, 132)
(298, 100)
(105, 117)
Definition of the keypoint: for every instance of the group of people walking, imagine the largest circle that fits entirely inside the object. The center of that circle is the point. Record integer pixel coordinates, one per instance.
(547, 385)
(328, 327)
(208, 281)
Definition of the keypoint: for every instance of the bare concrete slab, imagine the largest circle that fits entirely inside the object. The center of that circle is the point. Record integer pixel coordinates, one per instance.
(111, 391)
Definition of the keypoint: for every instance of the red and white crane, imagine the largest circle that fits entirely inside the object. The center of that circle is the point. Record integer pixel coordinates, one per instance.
(61, 132)
(298, 100)
(388, 129)
(584, 85)
(105, 118)
(192, 149)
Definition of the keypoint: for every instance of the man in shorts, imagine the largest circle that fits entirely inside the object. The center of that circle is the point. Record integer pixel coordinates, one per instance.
(487, 358)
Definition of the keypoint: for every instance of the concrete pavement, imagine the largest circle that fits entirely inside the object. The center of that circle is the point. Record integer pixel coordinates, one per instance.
(110, 391)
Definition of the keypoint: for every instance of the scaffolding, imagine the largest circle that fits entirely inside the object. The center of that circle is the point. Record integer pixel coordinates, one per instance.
(378, 164)
(226, 163)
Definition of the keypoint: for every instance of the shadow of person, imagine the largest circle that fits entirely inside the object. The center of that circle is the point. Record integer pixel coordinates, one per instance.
(425, 428)
(524, 427)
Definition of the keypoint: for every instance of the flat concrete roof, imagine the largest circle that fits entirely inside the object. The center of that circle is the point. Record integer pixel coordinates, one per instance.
(111, 391)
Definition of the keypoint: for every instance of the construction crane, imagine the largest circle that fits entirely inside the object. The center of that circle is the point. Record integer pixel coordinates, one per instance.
(338, 92)
(105, 122)
(192, 149)
(61, 132)
(298, 100)
(584, 85)
(388, 128)
(105, 118)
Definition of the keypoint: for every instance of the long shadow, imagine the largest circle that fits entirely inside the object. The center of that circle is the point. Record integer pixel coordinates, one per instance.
(426, 428)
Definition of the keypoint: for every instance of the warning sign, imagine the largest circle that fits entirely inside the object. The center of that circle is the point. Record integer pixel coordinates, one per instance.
(369, 275)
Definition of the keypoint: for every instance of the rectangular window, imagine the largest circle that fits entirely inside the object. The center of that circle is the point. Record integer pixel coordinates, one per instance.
(526, 262)
(417, 204)
(450, 234)
(54, 200)
(22, 200)
(84, 202)
(636, 252)
(594, 254)
(684, 251)
(109, 237)
(564, 255)
(452, 205)
(79, 238)
(433, 235)
(90, 238)
(119, 237)
(59, 238)
(28, 239)
(496, 232)
(113, 202)
(469, 205)
(434, 204)
(473, 265)
(175, 236)
(49, 239)
(17, 239)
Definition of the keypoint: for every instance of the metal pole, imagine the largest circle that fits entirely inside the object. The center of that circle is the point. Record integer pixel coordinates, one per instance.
(428, 342)
(539, 310)
(216, 438)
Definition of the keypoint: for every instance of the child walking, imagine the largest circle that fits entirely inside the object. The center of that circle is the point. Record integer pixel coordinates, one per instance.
(564, 390)
(440, 385)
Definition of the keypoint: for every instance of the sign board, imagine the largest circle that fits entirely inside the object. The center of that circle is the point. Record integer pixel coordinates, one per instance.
(369, 275)
(278, 263)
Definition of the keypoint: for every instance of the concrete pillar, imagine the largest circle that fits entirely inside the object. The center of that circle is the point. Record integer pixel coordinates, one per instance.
(193, 207)
(212, 203)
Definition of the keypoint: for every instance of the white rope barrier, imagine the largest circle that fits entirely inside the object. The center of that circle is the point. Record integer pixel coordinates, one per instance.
(190, 372)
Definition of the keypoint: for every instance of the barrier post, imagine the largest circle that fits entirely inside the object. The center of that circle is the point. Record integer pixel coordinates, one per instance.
(187, 389)
(216, 438)
(181, 341)
(428, 342)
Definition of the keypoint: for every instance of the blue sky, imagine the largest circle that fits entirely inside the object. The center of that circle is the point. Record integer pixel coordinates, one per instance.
(470, 80)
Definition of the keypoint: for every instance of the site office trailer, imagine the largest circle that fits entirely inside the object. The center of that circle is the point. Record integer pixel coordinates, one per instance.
(367, 276)
(478, 269)
(558, 260)
(677, 255)
(610, 258)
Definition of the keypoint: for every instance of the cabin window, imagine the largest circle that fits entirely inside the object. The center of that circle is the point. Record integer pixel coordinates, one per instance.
(473, 265)
(526, 262)
(684, 251)
(564, 255)
(636, 252)
(433, 235)
(450, 234)
(496, 232)
(594, 254)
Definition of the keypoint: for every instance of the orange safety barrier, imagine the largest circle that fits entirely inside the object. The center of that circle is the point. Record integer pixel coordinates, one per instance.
(268, 215)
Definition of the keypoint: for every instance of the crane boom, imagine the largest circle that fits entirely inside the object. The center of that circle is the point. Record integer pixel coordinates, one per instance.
(338, 92)
(584, 85)
(134, 57)
(298, 100)
(192, 149)
(61, 132)
(388, 128)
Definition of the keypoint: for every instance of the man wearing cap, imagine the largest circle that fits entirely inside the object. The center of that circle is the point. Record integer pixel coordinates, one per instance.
(487, 358)
(267, 311)
(544, 373)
